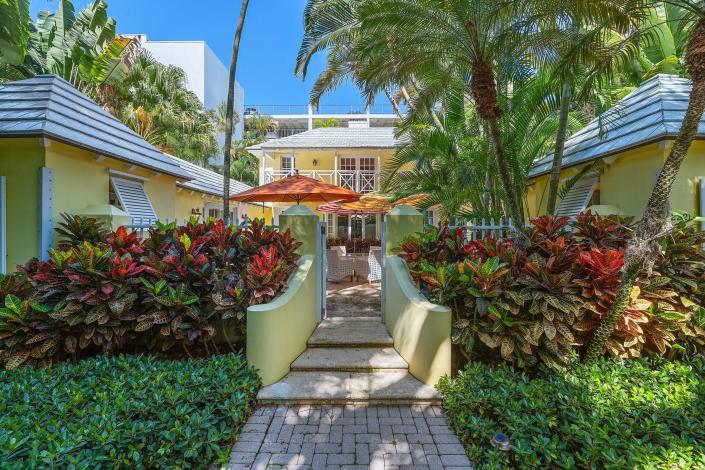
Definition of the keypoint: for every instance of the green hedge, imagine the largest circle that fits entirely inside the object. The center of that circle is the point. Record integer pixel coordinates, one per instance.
(124, 412)
(637, 414)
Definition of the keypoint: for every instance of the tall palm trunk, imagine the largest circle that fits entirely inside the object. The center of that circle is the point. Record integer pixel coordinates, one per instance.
(484, 91)
(229, 112)
(645, 242)
(395, 105)
(559, 148)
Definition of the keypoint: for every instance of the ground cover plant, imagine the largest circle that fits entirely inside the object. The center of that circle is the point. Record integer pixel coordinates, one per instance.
(541, 303)
(125, 412)
(181, 291)
(645, 413)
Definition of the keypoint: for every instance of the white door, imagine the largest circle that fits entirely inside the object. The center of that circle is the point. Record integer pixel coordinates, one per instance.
(358, 173)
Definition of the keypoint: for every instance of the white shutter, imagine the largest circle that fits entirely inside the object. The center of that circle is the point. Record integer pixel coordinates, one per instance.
(577, 198)
(134, 200)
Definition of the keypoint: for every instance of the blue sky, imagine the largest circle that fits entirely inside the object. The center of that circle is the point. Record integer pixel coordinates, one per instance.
(270, 41)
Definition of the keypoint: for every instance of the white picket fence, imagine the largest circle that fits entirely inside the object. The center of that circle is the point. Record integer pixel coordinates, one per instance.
(478, 229)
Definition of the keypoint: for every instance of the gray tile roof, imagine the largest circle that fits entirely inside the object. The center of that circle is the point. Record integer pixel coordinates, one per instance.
(650, 113)
(49, 106)
(337, 137)
(207, 181)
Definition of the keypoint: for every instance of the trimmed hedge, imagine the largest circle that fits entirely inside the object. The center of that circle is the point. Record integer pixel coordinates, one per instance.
(124, 412)
(636, 414)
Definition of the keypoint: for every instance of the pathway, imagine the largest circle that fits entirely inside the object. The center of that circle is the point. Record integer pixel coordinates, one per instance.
(349, 402)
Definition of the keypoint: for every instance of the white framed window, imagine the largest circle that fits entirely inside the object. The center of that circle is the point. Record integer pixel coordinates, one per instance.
(358, 173)
(288, 164)
(131, 197)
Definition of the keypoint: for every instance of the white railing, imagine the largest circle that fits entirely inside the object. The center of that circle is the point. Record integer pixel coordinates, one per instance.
(478, 229)
(283, 109)
(362, 181)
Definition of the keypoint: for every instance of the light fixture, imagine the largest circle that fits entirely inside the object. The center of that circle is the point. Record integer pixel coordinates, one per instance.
(315, 162)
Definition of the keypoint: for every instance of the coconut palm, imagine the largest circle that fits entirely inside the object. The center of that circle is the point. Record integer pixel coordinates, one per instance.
(229, 110)
(334, 26)
(644, 244)
(259, 125)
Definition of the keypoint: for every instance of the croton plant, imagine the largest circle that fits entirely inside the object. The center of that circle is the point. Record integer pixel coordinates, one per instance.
(541, 303)
(186, 286)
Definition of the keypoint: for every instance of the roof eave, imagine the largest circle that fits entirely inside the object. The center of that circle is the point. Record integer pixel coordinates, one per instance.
(42, 133)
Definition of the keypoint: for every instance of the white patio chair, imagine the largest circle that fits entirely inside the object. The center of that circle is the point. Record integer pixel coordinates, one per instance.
(374, 262)
(339, 267)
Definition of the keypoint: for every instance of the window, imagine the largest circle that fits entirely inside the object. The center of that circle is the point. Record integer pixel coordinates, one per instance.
(288, 164)
(343, 224)
(370, 227)
(132, 198)
(358, 173)
(428, 215)
(330, 230)
(578, 197)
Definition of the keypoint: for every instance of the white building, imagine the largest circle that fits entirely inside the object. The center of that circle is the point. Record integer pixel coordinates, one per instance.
(207, 76)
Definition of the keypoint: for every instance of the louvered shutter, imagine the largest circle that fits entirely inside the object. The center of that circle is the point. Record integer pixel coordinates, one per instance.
(577, 198)
(134, 200)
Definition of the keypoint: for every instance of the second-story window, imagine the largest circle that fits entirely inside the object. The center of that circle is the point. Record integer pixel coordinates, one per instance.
(288, 164)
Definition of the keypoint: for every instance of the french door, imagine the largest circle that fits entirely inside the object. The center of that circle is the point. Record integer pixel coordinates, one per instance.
(358, 173)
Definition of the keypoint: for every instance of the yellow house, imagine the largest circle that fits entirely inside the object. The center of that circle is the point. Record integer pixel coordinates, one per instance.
(629, 142)
(352, 157)
(60, 152)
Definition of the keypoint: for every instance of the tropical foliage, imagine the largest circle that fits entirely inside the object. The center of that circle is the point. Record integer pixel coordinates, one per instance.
(639, 414)
(542, 303)
(83, 48)
(183, 291)
(125, 412)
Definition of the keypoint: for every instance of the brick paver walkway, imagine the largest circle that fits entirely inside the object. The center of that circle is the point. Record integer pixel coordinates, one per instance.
(349, 437)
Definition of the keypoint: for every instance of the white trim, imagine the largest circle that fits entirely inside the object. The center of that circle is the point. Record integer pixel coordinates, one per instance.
(125, 175)
(46, 211)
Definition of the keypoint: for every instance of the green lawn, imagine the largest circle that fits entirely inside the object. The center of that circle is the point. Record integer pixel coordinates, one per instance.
(636, 414)
(124, 412)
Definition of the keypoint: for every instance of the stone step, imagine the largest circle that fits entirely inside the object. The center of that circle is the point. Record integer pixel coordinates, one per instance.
(350, 332)
(329, 387)
(350, 360)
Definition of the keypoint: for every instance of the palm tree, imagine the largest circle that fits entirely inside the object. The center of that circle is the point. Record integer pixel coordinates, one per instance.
(81, 48)
(153, 100)
(334, 26)
(644, 245)
(229, 111)
(440, 42)
(259, 125)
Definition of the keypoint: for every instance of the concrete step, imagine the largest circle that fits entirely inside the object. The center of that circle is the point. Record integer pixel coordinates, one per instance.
(329, 387)
(350, 360)
(350, 332)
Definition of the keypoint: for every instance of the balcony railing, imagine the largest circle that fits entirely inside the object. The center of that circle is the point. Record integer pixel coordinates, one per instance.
(321, 109)
(362, 181)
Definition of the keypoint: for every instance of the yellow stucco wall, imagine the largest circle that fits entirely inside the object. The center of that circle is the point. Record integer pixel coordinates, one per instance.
(185, 201)
(325, 158)
(20, 161)
(628, 178)
(80, 181)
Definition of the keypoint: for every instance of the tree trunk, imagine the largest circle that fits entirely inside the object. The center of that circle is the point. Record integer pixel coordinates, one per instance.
(484, 91)
(559, 148)
(229, 113)
(645, 242)
(394, 103)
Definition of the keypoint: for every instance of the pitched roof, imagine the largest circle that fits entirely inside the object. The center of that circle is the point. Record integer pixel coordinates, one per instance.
(337, 137)
(207, 181)
(49, 106)
(651, 113)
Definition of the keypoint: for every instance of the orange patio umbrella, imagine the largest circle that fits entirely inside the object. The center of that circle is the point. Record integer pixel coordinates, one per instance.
(297, 188)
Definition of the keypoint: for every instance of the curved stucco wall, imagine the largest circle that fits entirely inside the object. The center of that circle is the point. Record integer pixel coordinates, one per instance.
(421, 329)
(277, 332)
